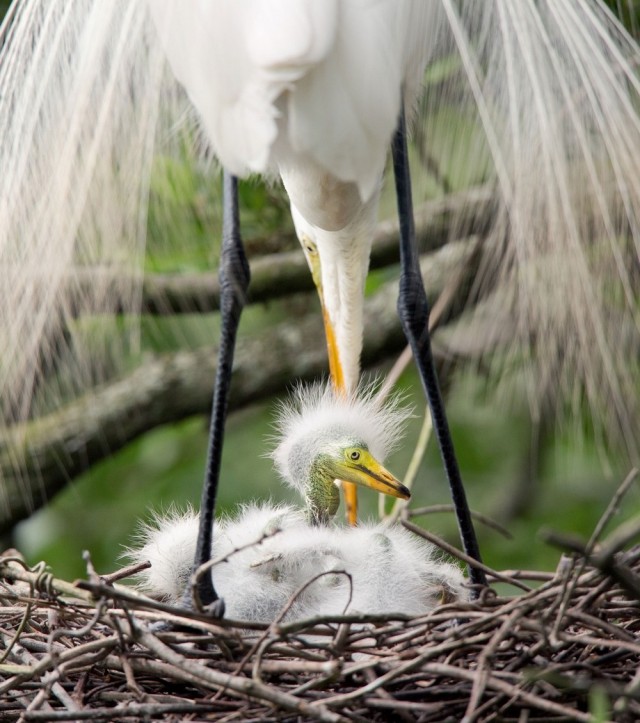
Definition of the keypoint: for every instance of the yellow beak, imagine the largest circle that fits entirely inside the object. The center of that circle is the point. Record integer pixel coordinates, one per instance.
(368, 472)
(335, 368)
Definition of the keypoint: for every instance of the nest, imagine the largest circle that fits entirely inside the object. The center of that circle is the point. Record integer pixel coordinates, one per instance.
(564, 648)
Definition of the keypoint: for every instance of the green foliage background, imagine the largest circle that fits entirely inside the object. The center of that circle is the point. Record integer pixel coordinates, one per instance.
(101, 510)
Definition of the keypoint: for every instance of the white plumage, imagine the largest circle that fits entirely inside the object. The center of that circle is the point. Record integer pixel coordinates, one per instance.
(310, 91)
(268, 552)
(541, 94)
(391, 570)
(300, 86)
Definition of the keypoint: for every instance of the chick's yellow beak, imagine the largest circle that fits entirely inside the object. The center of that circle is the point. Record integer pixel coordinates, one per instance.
(363, 469)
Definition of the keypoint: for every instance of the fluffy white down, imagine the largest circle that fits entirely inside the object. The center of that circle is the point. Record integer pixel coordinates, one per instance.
(392, 571)
(317, 416)
(168, 542)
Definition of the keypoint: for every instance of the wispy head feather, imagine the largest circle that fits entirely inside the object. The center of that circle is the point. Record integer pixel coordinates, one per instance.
(318, 415)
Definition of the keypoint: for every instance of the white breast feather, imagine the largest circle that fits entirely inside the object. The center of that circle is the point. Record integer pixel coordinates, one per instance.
(293, 80)
(389, 570)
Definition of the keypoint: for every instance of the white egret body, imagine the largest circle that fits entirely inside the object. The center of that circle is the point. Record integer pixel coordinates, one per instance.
(311, 92)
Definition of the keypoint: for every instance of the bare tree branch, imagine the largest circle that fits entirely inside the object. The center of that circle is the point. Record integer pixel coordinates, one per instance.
(281, 274)
(39, 457)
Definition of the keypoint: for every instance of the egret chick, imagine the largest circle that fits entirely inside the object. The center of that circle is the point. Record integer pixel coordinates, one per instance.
(270, 552)
(324, 436)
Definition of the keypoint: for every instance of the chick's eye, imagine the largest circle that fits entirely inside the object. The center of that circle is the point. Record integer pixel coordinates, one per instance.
(354, 455)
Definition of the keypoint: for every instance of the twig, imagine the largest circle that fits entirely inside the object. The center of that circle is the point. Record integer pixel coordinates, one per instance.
(128, 571)
(493, 659)
(483, 519)
(35, 577)
(604, 560)
(451, 550)
(612, 508)
(207, 566)
(130, 710)
(483, 668)
(400, 505)
(588, 549)
(442, 305)
(533, 700)
(245, 686)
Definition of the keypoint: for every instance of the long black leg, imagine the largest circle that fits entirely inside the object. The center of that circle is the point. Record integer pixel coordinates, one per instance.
(234, 281)
(413, 309)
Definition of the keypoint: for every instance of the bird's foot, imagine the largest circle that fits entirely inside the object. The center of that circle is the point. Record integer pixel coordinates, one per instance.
(215, 609)
(201, 596)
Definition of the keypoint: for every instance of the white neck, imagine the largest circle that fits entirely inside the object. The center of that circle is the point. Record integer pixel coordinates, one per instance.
(341, 226)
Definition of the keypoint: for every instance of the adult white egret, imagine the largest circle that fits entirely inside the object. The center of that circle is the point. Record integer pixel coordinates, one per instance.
(258, 74)
(313, 91)
(269, 552)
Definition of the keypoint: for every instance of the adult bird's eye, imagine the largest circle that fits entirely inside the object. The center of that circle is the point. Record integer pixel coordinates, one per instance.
(309, 245)
(354, 455)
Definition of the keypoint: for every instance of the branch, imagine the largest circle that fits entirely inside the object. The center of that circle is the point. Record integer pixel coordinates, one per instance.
(38, 458)
(281, 274)
(605, 558)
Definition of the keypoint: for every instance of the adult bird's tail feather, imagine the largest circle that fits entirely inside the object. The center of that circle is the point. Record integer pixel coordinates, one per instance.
(541, 97)
(79, 89)
(555, 88)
